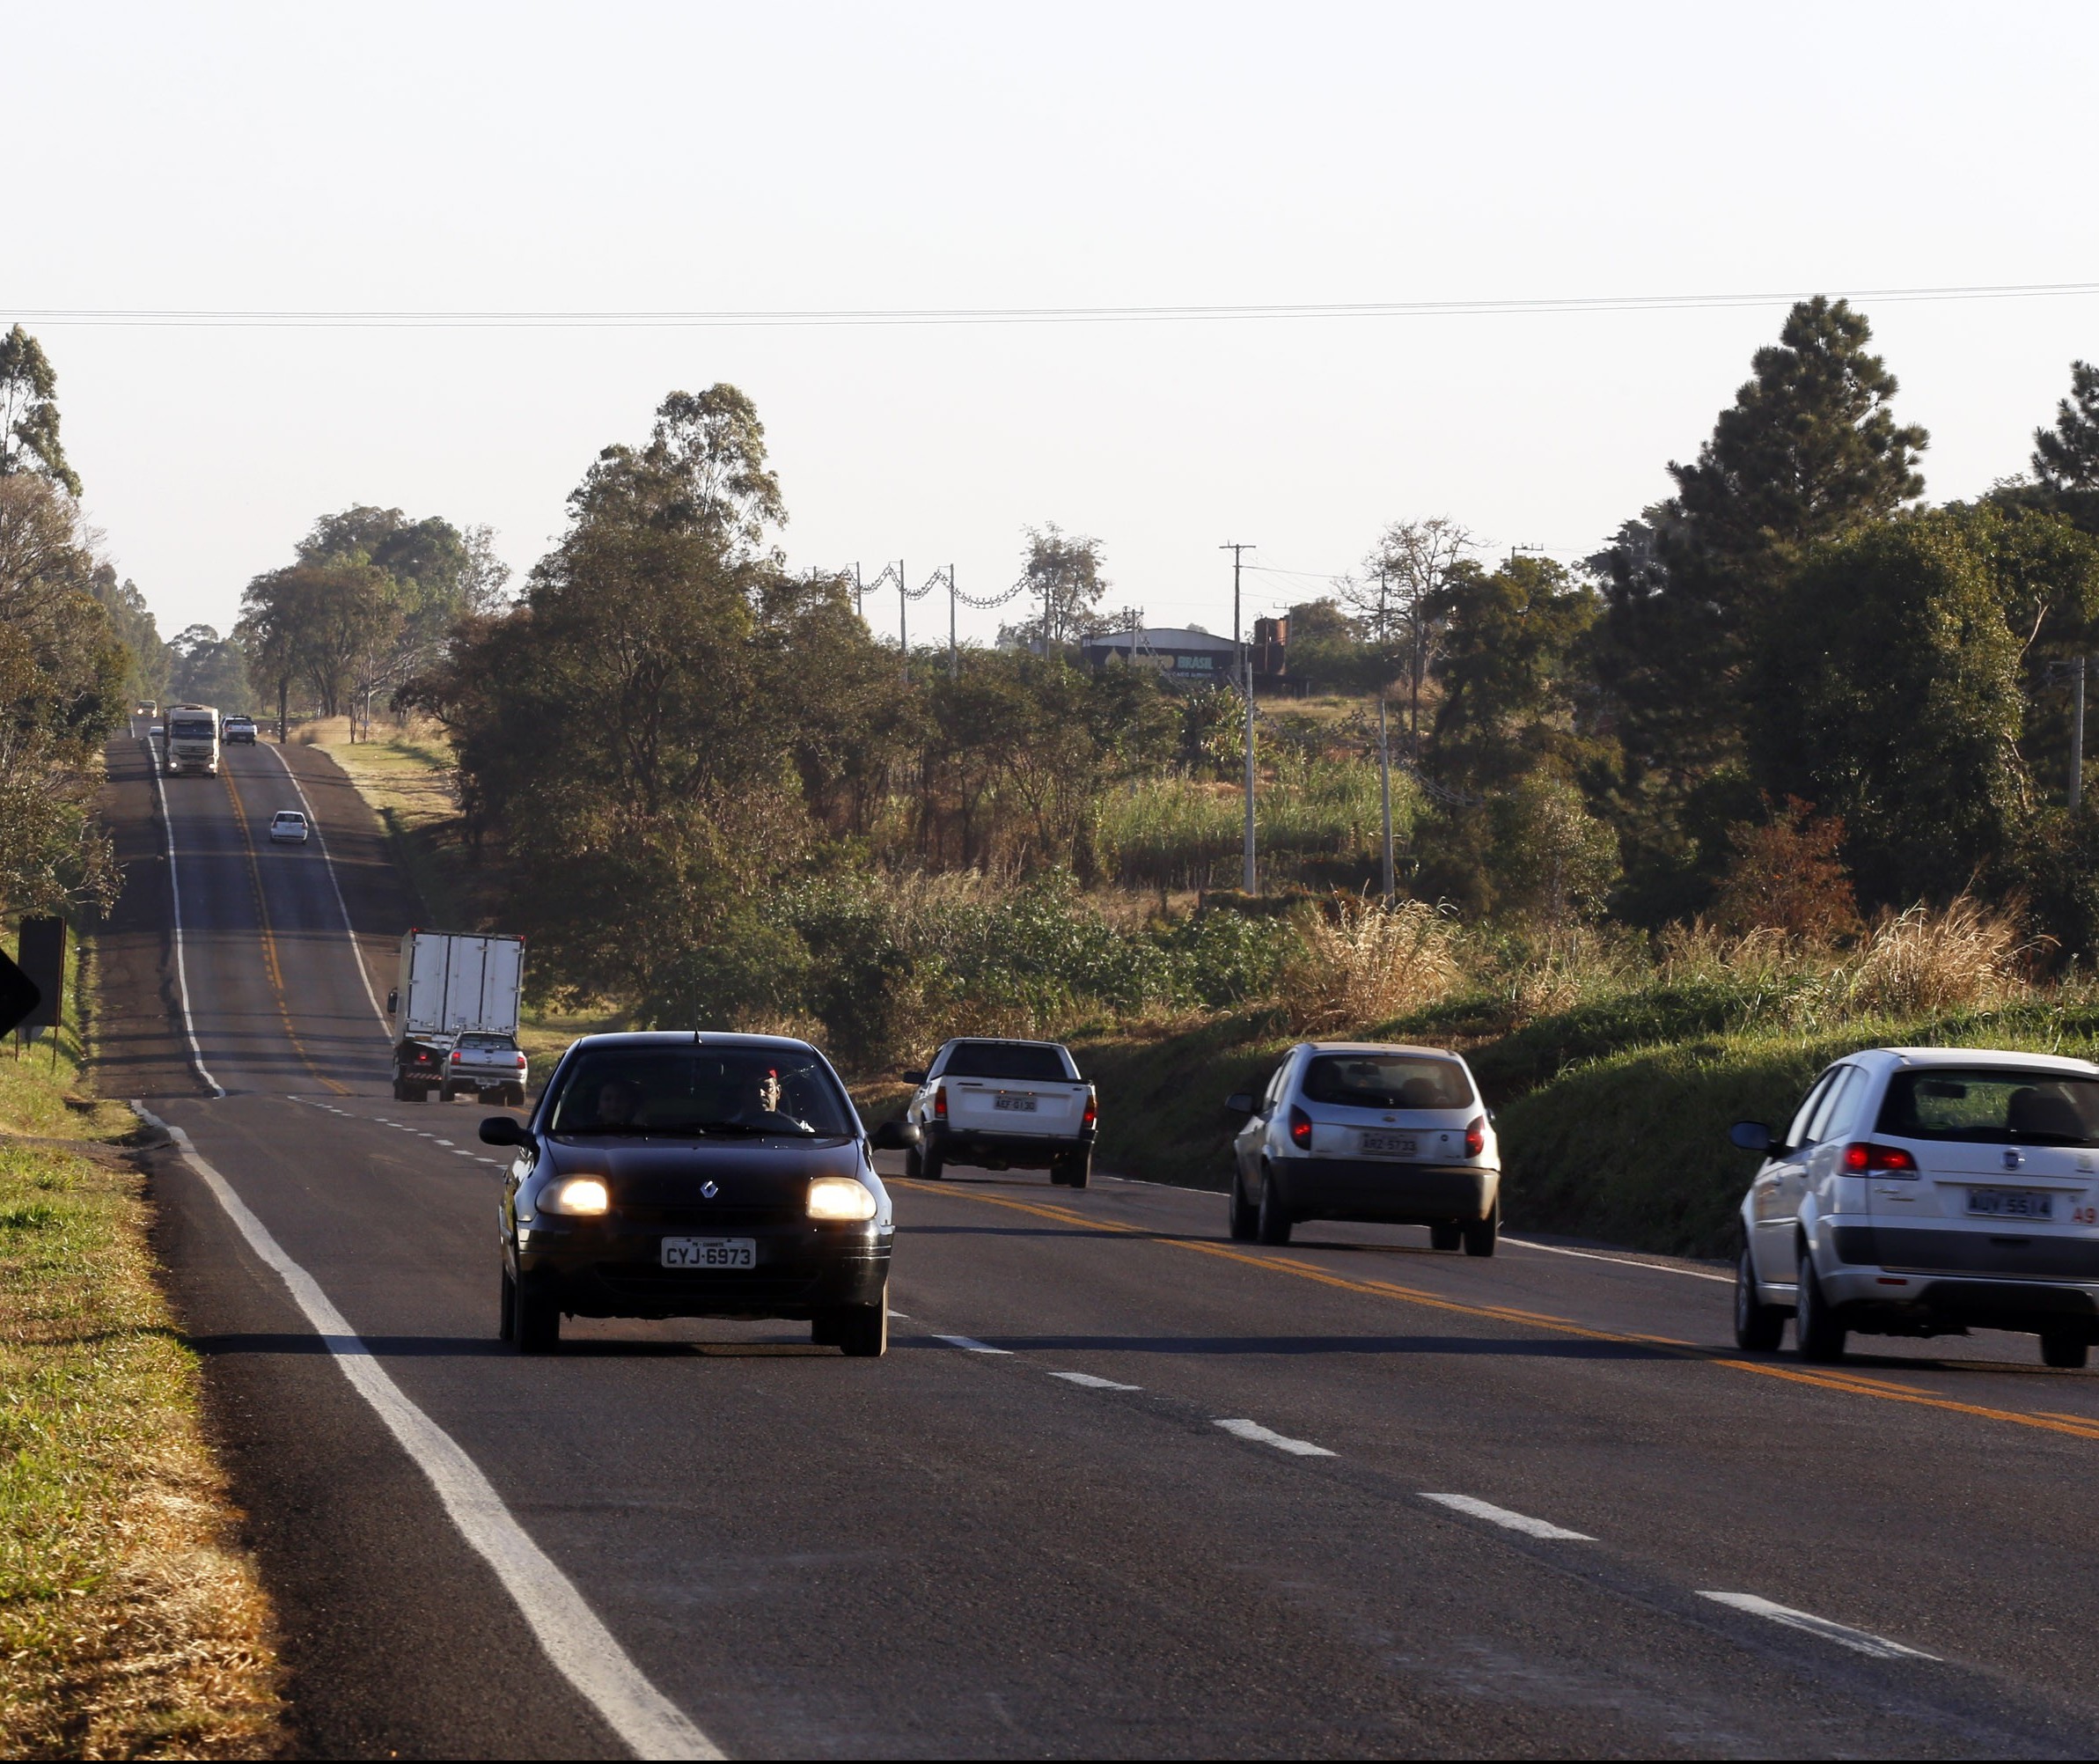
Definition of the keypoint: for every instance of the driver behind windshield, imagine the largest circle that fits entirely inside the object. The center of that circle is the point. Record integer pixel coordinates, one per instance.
(673, 1092)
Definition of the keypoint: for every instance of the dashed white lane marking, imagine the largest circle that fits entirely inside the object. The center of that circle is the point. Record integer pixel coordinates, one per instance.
(456, 1153)
(443, 1142)
(1263, 1435)
(1859, 1641)
(575, 1641)
(969, 1344)
(1622, 1260)
(1502, 1515)
(1092, 1383)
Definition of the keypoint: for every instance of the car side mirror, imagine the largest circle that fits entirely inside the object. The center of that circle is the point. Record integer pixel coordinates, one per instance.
(1750, 1135)
(915, 1076)
(1240, 1103)
(894, 1136)
(502, 1129)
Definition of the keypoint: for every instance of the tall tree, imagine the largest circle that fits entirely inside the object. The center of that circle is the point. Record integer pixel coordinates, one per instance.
(29, 413)
(1397, 602)
(137, 630)
(2066, 457)
(1064, 578)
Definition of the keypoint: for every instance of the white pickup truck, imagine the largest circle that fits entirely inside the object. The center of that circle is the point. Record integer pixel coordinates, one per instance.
(1002, 1105)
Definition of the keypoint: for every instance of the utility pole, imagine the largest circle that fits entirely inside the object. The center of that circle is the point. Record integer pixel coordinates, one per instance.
(954, 652)
(859, 597)
(903, 633)
(2077, 735)
(1384, 791)
(1249, 870)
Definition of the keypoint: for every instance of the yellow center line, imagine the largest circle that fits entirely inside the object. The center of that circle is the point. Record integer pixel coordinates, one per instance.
(1848, 1384)
(270, 941)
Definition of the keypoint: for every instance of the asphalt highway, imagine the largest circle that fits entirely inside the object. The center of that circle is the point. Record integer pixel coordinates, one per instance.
(1121, 1486)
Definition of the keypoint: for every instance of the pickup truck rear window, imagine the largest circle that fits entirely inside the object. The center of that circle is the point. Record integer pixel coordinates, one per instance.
(1993, 1105)
(1005, 1060)
(1386, 1081)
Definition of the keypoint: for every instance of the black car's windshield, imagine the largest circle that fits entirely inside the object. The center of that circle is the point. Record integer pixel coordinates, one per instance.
(699, 1089)
(1992, 1103)
(1386, 1081)
(1005, 1060)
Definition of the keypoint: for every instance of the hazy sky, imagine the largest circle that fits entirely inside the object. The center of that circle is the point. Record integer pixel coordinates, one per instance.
(694, 157)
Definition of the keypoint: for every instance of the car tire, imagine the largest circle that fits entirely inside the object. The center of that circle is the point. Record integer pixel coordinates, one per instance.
(1242, 1219)
(536, 1320)
(1758, 1327)
(1074, 1171)
(1480, 1236)
(1449, 1238)
(915, 1163)
(862, 1331)
(931, 1163)
(823, 1329)
(2062, 1349)
(1273, 1223)
(506, 1323)
(400, 1091)
(1816, 1335)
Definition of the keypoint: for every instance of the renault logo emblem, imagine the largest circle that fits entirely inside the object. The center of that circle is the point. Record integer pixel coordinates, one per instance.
(2011, 1158)
(710, 1189)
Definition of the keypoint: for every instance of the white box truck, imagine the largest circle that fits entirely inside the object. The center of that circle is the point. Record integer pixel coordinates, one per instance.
(454, 1007)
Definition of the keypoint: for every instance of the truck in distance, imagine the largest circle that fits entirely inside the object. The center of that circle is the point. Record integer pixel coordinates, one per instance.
(191, 744)
(454, 1008)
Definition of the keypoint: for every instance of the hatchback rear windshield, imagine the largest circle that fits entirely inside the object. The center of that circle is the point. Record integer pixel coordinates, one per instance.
(2032, 1109)
(701, 1091)
(1005, 1060)
(1386, 1081)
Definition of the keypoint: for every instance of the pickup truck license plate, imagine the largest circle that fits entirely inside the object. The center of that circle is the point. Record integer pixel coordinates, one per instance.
(1018, 1105)
(710, 1252)
(2011, 1203)
(1388, 1145)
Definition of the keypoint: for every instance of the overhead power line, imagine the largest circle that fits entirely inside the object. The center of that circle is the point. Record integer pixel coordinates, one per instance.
(763, 318)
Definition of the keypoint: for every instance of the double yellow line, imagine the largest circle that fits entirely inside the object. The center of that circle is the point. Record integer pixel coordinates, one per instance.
(1848, 1384)
(269, 939)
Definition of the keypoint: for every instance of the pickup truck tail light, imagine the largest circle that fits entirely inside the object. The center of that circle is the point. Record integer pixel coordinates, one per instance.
(1476, 1135)
(940, 1104)
(1092, 1108)
(521, 1062)
(1301, 1128)
(1862, 1160)
(457, 1056)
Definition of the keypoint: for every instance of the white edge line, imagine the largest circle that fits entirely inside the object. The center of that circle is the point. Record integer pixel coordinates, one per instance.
(1087, 1381)
(1622, 1260)
(1859, 1641)
(1264, 1436)
(575, 1640)
(329, 864)
(175, 883)
(969, 1344)
(1508, 1521)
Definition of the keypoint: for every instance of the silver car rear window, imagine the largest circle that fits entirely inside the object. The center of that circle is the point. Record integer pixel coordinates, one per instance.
(1992, 1102)
(1386, 1081)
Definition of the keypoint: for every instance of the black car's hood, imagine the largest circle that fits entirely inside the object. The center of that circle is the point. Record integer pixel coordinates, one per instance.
(665, 1171)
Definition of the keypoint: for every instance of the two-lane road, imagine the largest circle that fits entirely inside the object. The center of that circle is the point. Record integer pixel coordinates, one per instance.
(1121, 1486)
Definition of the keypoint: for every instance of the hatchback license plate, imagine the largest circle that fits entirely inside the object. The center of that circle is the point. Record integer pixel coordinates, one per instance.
(710, 1252)
(1018, 1104)
(1387, 1145)
(2011, 1203)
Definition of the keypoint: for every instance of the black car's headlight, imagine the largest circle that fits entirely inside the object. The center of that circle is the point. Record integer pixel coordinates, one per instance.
(841, 1197)
(578, 1196)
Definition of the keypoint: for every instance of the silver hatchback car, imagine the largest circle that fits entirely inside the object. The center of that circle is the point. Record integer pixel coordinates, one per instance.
(1927, 1191)
(1362, 1130)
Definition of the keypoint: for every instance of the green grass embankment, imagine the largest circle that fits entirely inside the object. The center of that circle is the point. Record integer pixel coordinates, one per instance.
(131, 1623)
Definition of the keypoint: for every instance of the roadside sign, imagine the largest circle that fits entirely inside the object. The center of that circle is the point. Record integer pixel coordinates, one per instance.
(19, 995)
(42, 954)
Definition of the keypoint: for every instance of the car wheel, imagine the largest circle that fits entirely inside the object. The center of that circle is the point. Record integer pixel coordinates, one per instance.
(914, 1166)
(823, 1329)
(1075, 1170)
(1244, 1222)
(1272, 1225)
(400, 1091)
(861, 1330)
(1449, 1238)
(536, 1319)
(1480, 1235)
(1758, 1327)
(506, 1325)
(931, 1163)
(2060, 1347)
(516, 1096)
(1816, 1334)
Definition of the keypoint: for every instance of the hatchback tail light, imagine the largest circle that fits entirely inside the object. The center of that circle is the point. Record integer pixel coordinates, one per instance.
(1301, 1128)
(1476, 1135)
(940, 1104)
(1864, 1159)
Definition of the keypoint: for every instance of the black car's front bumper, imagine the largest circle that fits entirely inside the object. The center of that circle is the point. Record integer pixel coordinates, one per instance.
(1378, 1192)
(613, 1268)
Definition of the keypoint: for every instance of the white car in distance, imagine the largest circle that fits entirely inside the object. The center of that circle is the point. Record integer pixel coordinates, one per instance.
(1365, 1131)
(1922, 1192)
(288, 827)
(1003, 1104)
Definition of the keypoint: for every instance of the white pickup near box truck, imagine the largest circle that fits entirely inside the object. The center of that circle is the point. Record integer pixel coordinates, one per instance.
(454, 1007)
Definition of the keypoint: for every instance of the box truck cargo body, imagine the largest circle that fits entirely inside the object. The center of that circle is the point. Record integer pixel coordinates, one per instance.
(454, 984)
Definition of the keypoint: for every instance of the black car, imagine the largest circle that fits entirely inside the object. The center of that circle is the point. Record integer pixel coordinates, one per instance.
(696, 1175)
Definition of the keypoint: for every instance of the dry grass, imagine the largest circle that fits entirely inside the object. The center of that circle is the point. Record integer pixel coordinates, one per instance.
(1368, 963)
(1922, 962)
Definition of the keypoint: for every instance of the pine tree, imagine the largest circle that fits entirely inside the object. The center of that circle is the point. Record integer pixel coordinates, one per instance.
(2066, 457)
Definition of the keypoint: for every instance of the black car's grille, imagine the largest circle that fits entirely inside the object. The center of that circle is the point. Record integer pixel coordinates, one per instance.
(704, 1217)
